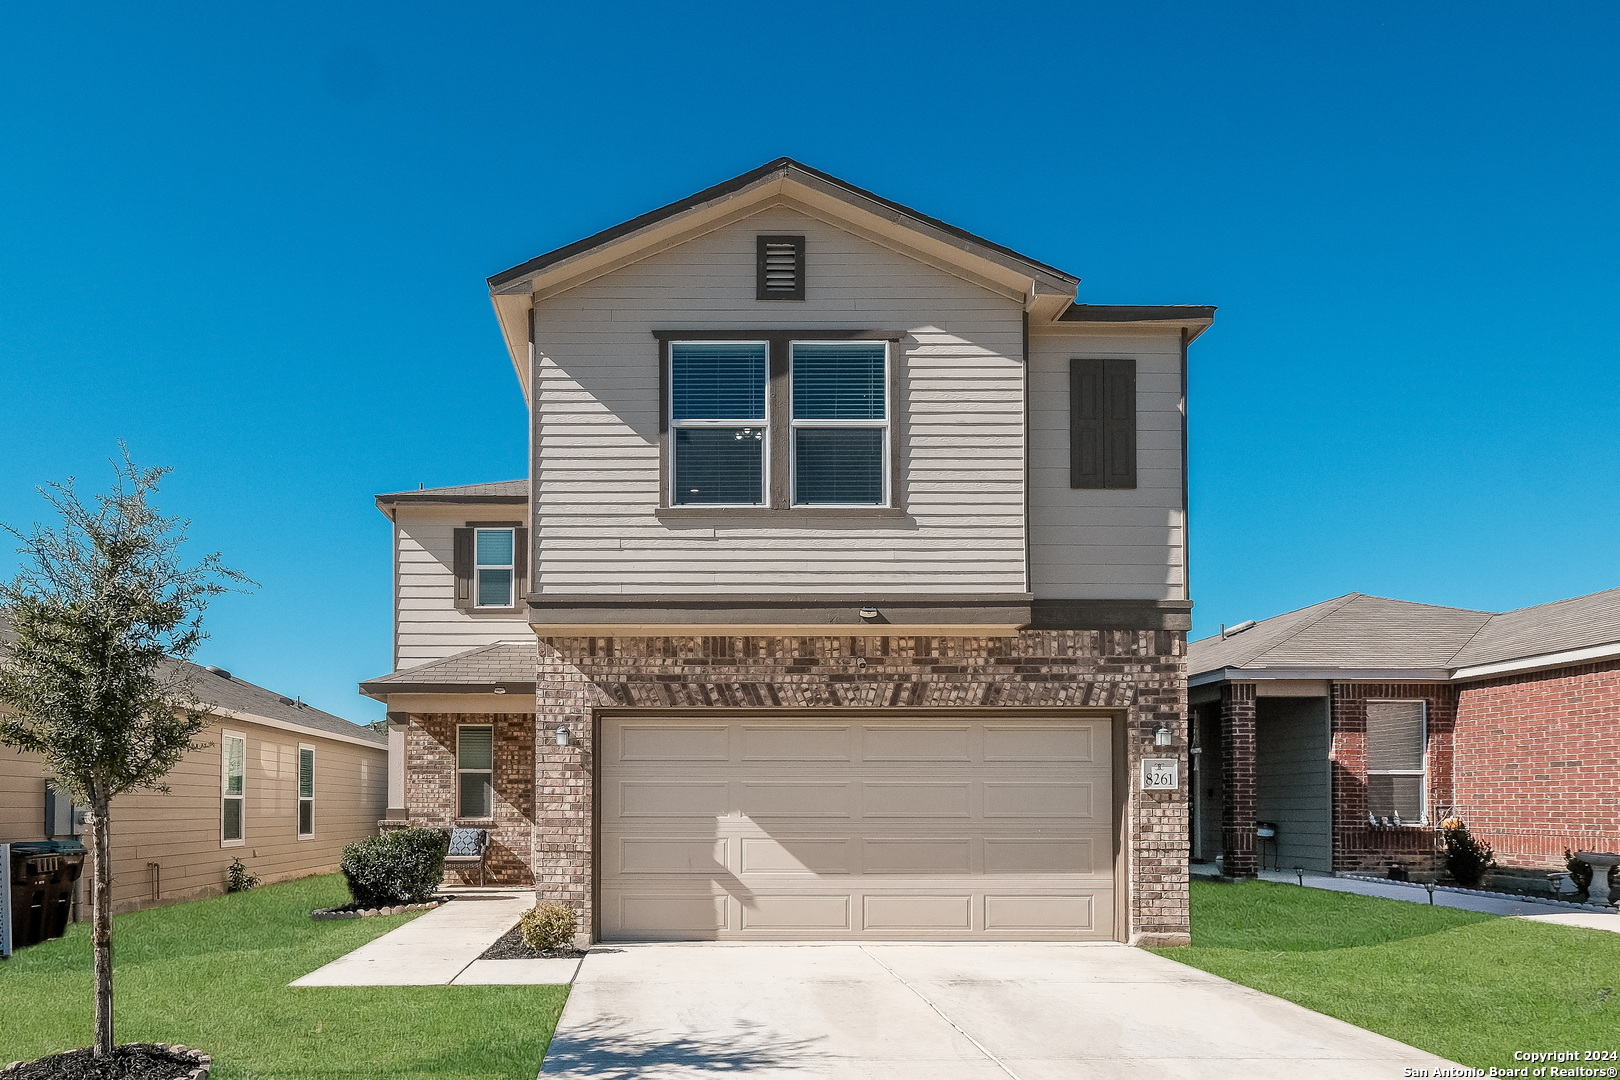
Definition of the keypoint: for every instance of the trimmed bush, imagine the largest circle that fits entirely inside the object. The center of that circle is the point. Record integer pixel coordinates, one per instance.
(1468, 858)
(549, 926)
(400, 866)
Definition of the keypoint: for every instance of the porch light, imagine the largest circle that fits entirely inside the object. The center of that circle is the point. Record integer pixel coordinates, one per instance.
(869, 612)
(1163, 736)
(562, 736)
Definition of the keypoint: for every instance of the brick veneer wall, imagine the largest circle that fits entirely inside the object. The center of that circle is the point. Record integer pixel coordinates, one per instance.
(1141, 672)
(1240, 780)
(430, 789)
(1538, 763)
(1356, 846)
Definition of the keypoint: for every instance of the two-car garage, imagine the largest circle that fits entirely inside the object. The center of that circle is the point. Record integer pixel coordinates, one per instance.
(814, 828)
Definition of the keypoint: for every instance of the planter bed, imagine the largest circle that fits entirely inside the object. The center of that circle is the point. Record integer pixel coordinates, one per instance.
(1569, 905)
(132, 1061)
(354, 911)
(511, 947)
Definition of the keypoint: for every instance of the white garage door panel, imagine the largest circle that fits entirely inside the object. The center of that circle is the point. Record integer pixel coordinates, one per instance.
(874, 829)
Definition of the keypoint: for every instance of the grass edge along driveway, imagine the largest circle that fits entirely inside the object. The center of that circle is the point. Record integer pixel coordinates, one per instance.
(1470, 987)
(213, 974)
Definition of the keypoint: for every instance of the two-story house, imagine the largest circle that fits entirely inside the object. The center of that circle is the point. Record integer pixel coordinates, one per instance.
(845, 598)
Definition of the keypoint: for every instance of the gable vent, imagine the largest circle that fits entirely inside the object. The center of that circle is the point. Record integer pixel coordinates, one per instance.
(780, 269)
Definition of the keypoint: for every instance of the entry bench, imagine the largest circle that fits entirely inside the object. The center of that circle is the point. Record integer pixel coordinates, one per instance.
(468, 846)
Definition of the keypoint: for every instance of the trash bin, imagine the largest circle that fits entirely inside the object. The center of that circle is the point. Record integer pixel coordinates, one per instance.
(42, 877)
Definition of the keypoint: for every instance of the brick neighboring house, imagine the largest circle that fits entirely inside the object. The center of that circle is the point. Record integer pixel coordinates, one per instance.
(844, 597)
(1354, 725)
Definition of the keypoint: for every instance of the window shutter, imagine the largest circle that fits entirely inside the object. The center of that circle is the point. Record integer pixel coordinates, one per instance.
(520, 566)
(779, 268)
(462, 556)
(1102, 423)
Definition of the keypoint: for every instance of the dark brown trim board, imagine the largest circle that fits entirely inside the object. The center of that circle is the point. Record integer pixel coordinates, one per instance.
(1125, 313)
(411, 499)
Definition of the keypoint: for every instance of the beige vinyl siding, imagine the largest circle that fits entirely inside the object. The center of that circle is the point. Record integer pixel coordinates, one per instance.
(597, 465)
(1294, 789)
(1107, 544)
(180, 830)
(428, 626)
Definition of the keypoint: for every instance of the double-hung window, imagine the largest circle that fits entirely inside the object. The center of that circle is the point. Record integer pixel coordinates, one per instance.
(1397, 736)
(494, 567)
(840, 423)
(718, 421)
(306, 790)
(475, 771)
(233, 778)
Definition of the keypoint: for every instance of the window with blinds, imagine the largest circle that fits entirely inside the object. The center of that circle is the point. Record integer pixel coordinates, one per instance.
(494, 567)
(475, 771)
(233, 788)
(717, 422)
(1397, 737)
(780, 268)
(840, 423)
(306, 791)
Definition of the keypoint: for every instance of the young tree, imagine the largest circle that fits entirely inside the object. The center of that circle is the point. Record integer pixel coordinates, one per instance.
(101, 608)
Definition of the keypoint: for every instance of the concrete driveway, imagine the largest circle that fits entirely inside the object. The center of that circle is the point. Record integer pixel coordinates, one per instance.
(941, 1012)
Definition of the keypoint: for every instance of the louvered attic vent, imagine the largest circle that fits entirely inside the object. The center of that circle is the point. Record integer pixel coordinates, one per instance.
(781, 268)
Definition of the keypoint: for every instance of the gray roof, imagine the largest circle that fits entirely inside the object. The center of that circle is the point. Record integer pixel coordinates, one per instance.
(241, 696)
(497, 491)
(506, 664)
(1374, 633)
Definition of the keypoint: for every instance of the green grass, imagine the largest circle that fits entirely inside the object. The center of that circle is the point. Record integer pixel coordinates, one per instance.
(1473, 988)
(213, 974)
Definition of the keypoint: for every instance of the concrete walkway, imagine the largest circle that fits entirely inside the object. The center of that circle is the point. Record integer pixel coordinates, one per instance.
(941, 1012)
(443, 946)
(1490, 905)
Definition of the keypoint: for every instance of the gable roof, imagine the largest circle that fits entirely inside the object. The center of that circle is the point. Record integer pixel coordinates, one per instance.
(493, 492)
(509, 665)
(1381, 637)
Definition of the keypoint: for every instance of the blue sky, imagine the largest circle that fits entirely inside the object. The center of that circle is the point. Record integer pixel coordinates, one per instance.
(251, 241)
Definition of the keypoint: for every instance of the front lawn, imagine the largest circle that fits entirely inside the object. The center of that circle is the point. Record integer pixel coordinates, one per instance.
(213, 974)
(1473, 988)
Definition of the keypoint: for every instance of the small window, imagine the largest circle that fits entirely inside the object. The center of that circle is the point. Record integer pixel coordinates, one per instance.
(840, 423)
(780, 268)
(475, 771)
(306, 790)
(494, 569)
(233, 769)
(717, 422)
(1397, 734)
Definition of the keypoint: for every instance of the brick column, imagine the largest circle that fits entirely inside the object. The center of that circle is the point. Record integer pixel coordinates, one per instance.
(564, 816)
(1240, 780)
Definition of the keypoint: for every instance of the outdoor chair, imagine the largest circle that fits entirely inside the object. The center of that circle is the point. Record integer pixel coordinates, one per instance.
(468, 846)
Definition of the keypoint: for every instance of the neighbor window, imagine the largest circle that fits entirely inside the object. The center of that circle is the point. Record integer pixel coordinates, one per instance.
(233, 769)
(475, 771)
(840, 423)
(717, 422)
(494, 567)
(306, 790)
(1397, 732)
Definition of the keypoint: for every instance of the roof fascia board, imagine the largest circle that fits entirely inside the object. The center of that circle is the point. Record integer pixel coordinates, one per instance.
(1235, 674)
(407, 499)
(287, 725)
(1542, 662)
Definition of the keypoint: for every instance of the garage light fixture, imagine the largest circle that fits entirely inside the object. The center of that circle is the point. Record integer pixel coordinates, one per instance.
(1163, 736)
(562, 736)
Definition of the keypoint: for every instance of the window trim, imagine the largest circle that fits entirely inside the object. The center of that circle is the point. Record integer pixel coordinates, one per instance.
(1422, 774)
(512, 567)
(462, 557)
(490, 772)
(298, 824)
(778, 412)
(225, 739)
(673, 425)
(795, 425)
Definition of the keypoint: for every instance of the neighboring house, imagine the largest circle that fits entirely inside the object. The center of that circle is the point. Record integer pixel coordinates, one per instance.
(1356, 724)
(848, 594)
(279, 784)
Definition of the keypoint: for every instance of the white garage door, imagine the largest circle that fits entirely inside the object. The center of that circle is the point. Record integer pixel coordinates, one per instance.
(863, 828)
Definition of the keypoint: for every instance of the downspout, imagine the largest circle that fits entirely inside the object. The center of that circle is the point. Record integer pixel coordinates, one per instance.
(1186, 517)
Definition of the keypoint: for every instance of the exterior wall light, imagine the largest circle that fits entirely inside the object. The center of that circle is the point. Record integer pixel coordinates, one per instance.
(1163, 736)
(562, 736)
(500, 689)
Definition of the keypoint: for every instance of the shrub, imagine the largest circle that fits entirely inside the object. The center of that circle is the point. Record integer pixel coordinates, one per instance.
(1580, 872)
(238, 878)
(1468, 858)
(400, 866)
(549, 926)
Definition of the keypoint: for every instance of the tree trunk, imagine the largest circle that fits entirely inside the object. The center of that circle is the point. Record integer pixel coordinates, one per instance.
(101, 930)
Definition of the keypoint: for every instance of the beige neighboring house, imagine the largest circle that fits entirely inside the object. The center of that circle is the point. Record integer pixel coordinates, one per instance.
(278, 784)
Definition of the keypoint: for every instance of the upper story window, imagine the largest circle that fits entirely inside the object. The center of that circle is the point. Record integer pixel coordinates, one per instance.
(490, 571)
(717, 416)
(779, 421)
(495, 567)
(779, 273)
(1397, 779)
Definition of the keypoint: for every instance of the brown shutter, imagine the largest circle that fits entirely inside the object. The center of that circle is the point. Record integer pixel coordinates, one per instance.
(1102, 423)
(463, 558)
(520, 567)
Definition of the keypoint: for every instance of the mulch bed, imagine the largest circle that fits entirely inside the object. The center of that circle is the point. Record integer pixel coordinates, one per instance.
(132, 1061)
(511, 947)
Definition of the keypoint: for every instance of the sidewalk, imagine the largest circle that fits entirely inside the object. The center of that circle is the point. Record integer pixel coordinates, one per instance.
(442, 948)
(1417, 894)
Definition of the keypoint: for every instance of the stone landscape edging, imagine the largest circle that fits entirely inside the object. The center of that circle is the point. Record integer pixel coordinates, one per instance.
(205, 1063)
(324, 914)
(1572, 905)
